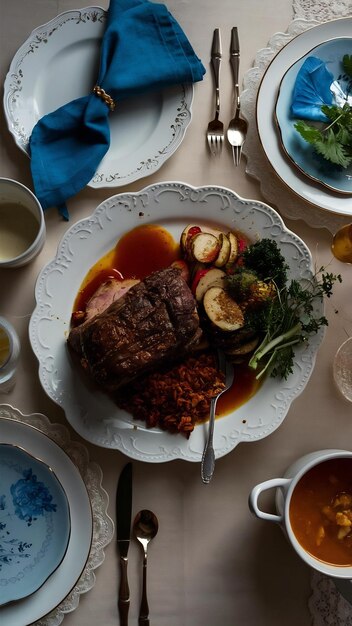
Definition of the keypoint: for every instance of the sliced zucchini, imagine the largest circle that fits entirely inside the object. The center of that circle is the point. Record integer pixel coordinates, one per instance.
(224, 252)
(228, 341)
(204, 247)
(212, 277)
(222, 310)
(187, 233)
(244, 349)
(234, 247)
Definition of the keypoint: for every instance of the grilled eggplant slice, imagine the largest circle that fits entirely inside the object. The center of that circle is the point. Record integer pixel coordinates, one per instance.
(222, 310)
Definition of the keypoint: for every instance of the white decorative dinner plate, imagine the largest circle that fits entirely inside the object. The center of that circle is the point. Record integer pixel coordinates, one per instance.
(301, 153)
(58, 63)
(298, 47)
(93, 414)
(34, 523)
(65, 577)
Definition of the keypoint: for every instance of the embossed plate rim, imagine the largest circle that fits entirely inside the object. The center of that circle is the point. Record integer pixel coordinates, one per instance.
(173, 205)
(171, 108)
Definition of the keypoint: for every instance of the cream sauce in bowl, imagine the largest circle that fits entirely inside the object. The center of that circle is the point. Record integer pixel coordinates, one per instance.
(18, 229)
(22, 224)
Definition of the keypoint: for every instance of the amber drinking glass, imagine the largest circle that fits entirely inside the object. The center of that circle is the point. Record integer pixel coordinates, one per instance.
(342, 244)
(9, 353)
(342, 368)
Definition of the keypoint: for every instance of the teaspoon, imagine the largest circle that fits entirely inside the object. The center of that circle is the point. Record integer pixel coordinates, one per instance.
(145, 527)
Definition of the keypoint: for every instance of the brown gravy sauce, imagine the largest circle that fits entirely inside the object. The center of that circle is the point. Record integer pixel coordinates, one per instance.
(137, 254)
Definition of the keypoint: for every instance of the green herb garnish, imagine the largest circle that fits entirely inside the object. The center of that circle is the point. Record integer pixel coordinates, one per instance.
(264, 257)
(334, 140)
(288, 320)
(282, 313)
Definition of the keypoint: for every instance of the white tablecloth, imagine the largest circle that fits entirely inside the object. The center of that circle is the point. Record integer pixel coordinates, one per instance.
(212, 562)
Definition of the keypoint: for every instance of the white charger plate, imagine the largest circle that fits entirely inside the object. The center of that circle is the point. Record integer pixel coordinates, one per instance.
(58, 63)
(265, 116)
(93, 414)
(62, 581)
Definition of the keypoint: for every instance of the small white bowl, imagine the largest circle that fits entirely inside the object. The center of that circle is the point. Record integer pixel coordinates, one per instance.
(284, 489)
(22, 224)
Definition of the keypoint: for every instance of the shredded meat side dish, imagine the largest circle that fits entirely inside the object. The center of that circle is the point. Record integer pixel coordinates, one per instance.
(174, 398)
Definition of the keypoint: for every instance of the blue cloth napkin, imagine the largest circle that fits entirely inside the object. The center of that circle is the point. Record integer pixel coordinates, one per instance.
(143, 49)
(312, 90)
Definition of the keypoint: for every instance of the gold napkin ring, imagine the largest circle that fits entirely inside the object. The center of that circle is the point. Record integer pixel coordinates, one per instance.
(99, 91)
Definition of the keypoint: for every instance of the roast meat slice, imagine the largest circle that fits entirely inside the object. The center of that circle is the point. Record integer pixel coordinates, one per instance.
(107, 293)
(154, 322)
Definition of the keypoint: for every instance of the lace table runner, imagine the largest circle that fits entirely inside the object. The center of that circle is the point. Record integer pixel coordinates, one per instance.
(322, 10)
(327, 606)
(306, 13)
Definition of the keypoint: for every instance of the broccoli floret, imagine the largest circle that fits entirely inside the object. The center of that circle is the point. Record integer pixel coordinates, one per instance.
(239, 284)
(249, 290)
(265, 258)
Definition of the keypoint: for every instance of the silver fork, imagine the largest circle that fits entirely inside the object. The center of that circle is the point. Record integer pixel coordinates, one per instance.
(215, 131)
(208, 458)
(237, 130)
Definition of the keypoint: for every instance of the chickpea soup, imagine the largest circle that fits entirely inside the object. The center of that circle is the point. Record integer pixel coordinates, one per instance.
(321, 511)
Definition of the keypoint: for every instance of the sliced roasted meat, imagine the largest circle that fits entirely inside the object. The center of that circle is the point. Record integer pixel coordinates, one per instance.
(154, 322)
(106, 294)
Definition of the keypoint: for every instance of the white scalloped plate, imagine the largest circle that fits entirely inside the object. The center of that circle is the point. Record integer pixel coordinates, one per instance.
(91, 527)
(58, 63)
(93, 415)
(299, 46)
(62, 581)
(35, 522)
(302, 154)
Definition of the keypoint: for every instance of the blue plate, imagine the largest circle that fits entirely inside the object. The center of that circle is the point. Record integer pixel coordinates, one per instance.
(34, 523)
(299, 151)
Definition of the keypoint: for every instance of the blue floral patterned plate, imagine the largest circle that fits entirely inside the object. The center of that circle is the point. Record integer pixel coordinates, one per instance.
(34, 523)
(299, 151)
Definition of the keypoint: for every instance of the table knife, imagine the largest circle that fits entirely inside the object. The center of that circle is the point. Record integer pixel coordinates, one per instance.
(123, 532)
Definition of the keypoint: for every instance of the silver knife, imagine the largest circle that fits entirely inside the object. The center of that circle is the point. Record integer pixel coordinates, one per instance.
(123, 532)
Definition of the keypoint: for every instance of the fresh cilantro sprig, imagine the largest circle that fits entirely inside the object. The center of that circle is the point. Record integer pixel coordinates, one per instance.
(334, 140)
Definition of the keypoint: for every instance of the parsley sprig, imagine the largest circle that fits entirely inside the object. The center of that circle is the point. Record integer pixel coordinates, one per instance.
(334, 140)
(288, 320)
